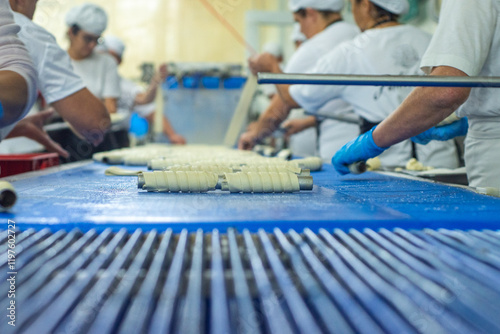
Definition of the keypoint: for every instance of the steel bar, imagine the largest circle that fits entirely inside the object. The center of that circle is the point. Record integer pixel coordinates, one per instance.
(377, 80)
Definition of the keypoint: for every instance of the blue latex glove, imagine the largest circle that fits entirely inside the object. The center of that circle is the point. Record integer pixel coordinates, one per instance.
(1, 110)
(359, 149)
(443, 133)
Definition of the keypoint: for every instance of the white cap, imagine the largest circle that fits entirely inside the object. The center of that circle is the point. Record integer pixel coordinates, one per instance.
(333, 5)
(89, 17)
(397, 7)
(273, 48)
(114, 44)
(297, 35)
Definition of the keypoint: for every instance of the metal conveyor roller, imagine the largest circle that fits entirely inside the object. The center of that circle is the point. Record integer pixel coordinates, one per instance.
(397, 281)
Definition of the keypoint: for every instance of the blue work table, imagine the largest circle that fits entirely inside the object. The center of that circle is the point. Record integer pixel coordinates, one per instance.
(81, 196)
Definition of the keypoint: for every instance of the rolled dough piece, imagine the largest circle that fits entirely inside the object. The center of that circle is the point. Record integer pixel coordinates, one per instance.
(312, 163)
(373, 164)
(262, 182)
(191, 182)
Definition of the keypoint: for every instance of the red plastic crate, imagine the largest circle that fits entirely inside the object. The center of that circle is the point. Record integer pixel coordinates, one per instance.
(13, 164)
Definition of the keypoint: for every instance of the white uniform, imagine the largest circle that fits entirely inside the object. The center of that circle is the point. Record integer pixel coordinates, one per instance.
(304, 60)
(56, 79)
(100, 74)
(468, 38)
(393, 50)
(14, 57)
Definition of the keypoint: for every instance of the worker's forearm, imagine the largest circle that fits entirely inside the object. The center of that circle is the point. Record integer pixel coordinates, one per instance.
(86, 114)
(111, 105)
(168, 130)
(271, 119)
(424, 108)
(13, 96)
(284, 92)
(150, 94)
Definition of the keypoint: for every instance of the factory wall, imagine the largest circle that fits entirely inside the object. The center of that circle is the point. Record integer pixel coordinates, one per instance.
(164, 30)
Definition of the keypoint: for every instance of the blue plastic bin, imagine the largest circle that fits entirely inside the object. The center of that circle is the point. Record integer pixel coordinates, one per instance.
(234, 82)
(191, 82)
(170, 83)
(210, 82)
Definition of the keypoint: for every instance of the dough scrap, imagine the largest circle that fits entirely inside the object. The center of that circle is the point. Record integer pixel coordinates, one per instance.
(415, 165)
(117, 171)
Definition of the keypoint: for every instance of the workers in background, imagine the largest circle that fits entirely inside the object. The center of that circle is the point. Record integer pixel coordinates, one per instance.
(455, 50)
(17, 73)
(297, 36)
(133, 97)
(99, 72)
(58, 84)
(321, 22)
(384, 47)
(300, 130)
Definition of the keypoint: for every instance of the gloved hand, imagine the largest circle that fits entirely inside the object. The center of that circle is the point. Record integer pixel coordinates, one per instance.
(443, 133)
(359, 149)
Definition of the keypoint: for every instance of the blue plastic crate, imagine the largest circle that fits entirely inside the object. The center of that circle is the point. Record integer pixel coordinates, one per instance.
(210, 82)
(191, 82)
(170, 83)
(234, 82)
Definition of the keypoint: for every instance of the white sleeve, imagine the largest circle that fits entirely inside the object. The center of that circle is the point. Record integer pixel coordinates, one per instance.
(463, 37)
(303, 59)
(56, 77)
(14, 56)
(146, 109)
(313, 97)
(111, 80)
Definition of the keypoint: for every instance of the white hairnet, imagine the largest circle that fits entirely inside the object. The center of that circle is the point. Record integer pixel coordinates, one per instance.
(114, 44)
(89, 17)
(273, 48)
(333, 5)
(397, 7)
(297, 35)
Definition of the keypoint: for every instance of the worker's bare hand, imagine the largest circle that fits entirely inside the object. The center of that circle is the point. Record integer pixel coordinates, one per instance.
(294, 126)
(247, 141)
(163, 72)
(32, 127)
(177, 139)
(252, 126)
(264, 62)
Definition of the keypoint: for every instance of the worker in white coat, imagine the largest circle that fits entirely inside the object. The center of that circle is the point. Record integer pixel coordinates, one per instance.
(456, 50)
(300, 129)
(134, 98)
(17, 73)
(384, 47)
(58, 84)
(322, 24)
(99, 72)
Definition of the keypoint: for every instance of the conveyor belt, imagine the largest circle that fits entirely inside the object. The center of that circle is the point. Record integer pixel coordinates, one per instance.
(428, 281)
(81, 196)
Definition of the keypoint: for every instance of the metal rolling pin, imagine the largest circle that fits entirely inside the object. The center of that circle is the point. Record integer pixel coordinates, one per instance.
(378, 80)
